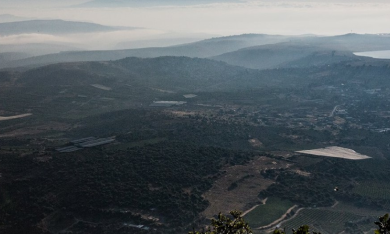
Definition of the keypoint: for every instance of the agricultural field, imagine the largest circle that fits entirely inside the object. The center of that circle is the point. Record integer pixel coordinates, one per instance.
(240, 186)
(346, 207)
(373, 189)
(323, 220)
(263, 215)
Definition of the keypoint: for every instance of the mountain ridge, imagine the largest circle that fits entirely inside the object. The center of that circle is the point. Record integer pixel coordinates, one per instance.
(152, 3)
(216, 47)
(54, 27)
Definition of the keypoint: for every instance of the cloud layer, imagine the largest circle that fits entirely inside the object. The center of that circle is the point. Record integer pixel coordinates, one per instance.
(247, 16)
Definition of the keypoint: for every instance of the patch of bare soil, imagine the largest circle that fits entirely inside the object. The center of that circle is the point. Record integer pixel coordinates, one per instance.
(181, 113)
(302, 173)
(337, 152)
(248, 184)
(101, 87)
(255, 143)
(339, 121)
(163, 91)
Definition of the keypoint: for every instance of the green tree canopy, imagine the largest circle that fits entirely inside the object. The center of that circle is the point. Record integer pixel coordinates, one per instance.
(234, 224)
(383, 224)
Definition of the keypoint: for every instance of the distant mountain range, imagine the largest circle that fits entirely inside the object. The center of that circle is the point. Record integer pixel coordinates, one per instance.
(257, 51)
(284, 55)
(32, 49)
(54, 27)
(150, 3)
(306, 51)
(198, 75)
(202, 49)
(9, 56)
(11, 18)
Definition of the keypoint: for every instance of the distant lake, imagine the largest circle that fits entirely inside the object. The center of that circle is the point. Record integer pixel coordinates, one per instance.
(375, 54)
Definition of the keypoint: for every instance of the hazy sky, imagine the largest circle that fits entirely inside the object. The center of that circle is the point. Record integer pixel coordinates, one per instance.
(257, 16)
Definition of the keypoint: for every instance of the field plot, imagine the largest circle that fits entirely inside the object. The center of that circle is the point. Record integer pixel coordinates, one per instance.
(263, 215)
(336, 152)
(255, 143)
(189, 96)
(344, 207)
(373, 189)
(240, 186)
(321, 220)
(101, 87)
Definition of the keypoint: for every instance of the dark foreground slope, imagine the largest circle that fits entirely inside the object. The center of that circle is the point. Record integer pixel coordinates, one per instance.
(168, 165)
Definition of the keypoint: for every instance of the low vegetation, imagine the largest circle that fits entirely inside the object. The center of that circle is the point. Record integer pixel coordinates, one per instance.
(166, 161)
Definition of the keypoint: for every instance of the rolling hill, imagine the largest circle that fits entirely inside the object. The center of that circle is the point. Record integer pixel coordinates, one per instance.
(353, 42)
(306, 51)
(33, 49)
(9, 56)
(175, 73)
(199, 75)
(11, 18)
(285, 55)
(202, 49)
(250, 50)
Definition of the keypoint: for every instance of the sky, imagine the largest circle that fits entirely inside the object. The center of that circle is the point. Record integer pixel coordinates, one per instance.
(289, 17)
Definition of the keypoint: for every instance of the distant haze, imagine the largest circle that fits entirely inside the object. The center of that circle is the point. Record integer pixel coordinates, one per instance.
(193, 20)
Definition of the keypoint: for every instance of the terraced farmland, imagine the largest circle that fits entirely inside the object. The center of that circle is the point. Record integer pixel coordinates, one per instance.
(344, 207)
(373, 189)
(268, 213)
(322, 220)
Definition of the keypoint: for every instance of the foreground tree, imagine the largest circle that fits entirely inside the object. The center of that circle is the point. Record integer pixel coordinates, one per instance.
(234, 224)
(304, 229)
(383, 224)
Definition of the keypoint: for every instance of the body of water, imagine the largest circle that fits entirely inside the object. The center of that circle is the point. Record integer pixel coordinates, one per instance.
(375, 54)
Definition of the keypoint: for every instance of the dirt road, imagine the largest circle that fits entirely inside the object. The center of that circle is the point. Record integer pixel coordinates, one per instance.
(15, 117)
